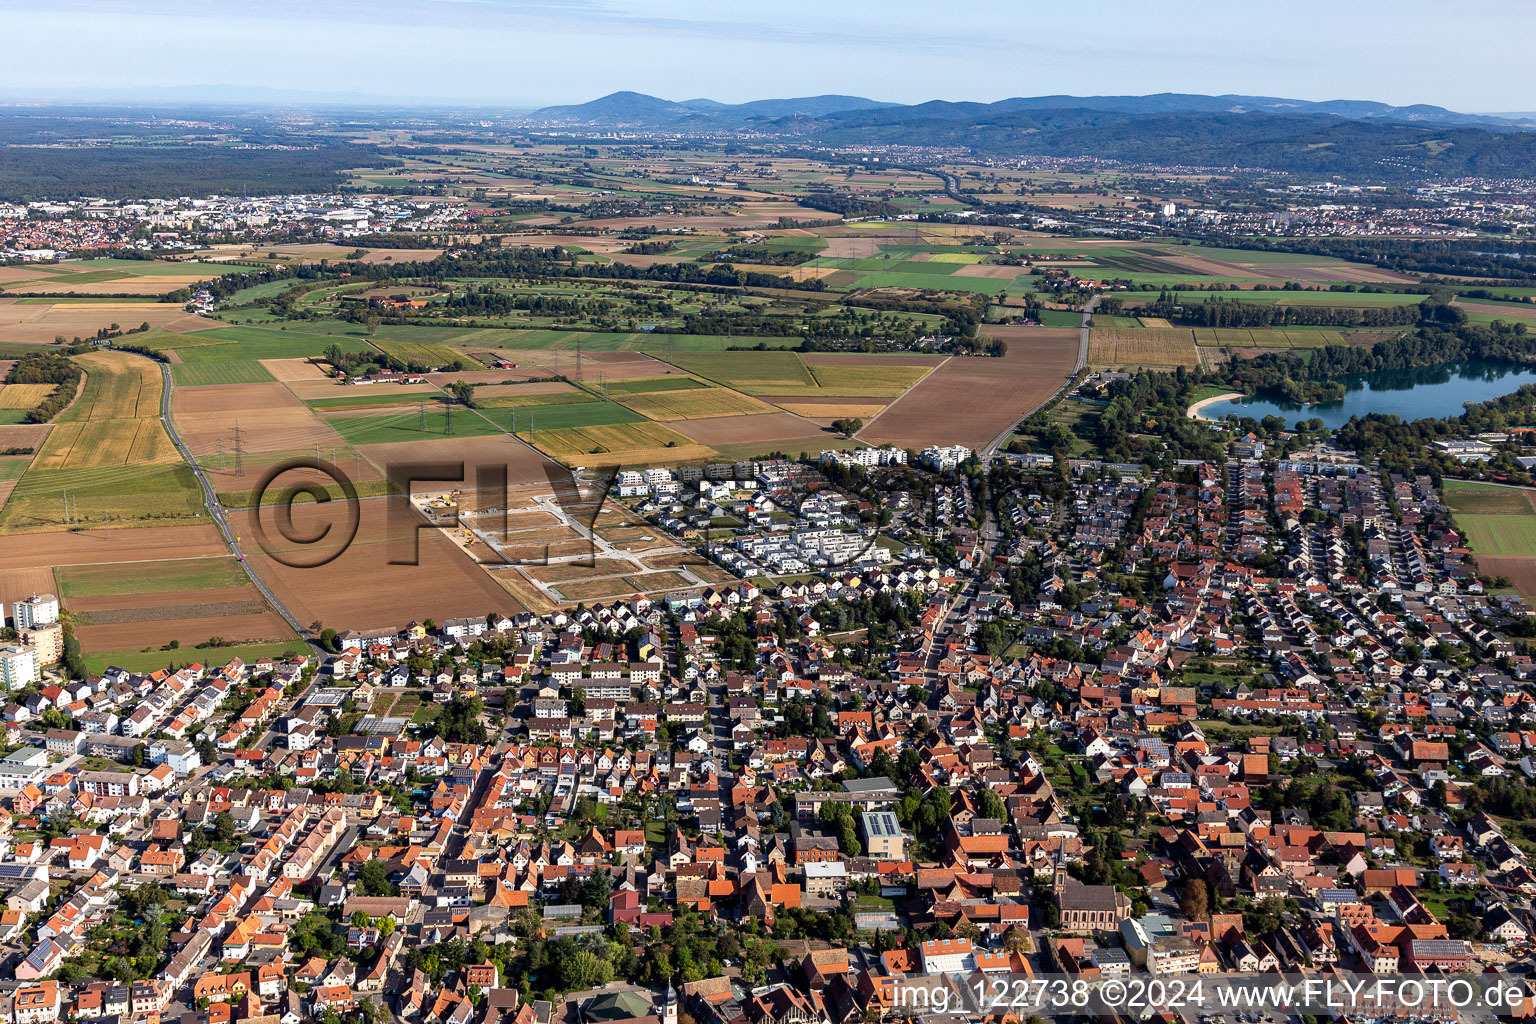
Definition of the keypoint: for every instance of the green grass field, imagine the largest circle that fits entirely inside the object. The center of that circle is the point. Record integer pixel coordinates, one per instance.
(751, 372)
(236, 344)
(585, 414)
(148, 577)
(931, 282)
(407, 426)
(98, 493)
(242, 372)
(151, 661)
(1495, 520)
(647, 385)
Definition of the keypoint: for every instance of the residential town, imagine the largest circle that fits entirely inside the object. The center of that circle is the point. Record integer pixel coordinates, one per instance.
(1238, 718)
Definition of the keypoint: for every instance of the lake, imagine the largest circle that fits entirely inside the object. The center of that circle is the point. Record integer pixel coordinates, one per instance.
(1423, 393)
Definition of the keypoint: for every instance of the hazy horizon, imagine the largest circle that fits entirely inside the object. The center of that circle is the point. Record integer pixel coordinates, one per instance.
(524, 54)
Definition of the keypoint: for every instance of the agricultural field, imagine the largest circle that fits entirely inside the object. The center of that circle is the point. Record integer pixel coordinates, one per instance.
(1496, 520)
(971, 400)
(752, 373)
(149, 604)
(42, 322)
(692, 404)
(416, 353)
(410, 424)
(364, 589)
(109, 452)
(1144, 347)
(23, 396)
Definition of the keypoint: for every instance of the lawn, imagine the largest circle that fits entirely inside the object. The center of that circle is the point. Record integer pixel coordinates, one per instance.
(408, 426)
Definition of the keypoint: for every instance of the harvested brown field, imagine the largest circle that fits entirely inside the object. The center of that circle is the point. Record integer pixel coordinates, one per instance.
(94, 547)
(741, 429)
(15, 275)
(33, 323)
(270, 418)
(970, 400)
(318, 390)
(128, 284)
(1503, 310)
(851, 247)
(24, 435)
(991, 273)
(361, 588)
(543, 387)
(1520, 570)
(20, 584)
(521, 373)
(525, 465)
(295, 369)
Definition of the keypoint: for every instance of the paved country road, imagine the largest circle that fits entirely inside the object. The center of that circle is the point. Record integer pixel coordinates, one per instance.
(217, 512)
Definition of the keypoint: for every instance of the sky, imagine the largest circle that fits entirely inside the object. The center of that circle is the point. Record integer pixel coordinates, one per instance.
(1468, 55)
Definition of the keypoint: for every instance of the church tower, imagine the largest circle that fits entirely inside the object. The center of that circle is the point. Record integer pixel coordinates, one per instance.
(669, 1014)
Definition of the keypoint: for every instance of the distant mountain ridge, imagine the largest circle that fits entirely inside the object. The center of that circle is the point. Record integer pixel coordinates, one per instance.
(640, 109)
(1335, 138)
(637, 107)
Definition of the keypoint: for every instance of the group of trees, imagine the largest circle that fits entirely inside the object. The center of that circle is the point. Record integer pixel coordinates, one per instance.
(47, 368)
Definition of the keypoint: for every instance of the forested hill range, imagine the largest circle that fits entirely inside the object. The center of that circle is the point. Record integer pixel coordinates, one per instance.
(638, 108)
(1340, 137)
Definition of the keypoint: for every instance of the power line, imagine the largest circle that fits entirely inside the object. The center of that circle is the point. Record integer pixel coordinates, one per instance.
(239, 452)
(448, 419)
